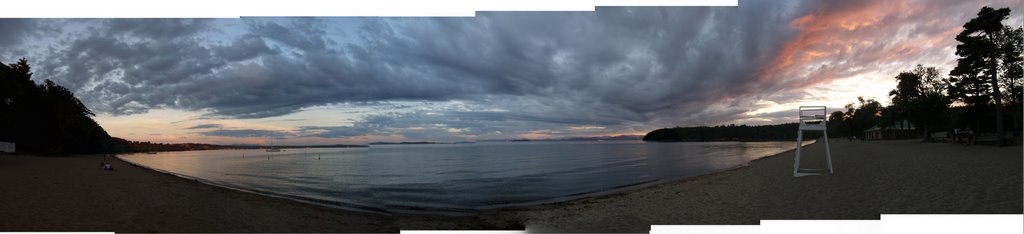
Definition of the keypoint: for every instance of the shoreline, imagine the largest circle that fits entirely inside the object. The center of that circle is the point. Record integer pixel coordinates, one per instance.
(873, 177)
(545, 202)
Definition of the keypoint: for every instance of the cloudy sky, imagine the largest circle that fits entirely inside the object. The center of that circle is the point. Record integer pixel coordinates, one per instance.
(499, 75)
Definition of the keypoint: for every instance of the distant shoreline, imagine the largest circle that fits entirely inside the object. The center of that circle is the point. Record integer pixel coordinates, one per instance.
(199, 147)
(420, 143)
(719, 140)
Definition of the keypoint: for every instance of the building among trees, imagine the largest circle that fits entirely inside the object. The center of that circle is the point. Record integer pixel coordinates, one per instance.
(898, 130)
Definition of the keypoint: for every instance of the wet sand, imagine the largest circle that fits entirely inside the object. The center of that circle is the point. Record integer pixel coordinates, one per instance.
(871, 177)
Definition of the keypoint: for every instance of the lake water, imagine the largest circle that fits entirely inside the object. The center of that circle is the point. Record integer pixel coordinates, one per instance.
(456, 179)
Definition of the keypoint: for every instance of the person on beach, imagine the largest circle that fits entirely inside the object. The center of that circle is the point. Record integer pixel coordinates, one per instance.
(968, 136)
(956, 135)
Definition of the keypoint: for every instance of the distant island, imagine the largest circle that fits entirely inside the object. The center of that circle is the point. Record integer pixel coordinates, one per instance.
(408, 143)
(597, 138)
(122, 145)
(730, 132)
(605, 138)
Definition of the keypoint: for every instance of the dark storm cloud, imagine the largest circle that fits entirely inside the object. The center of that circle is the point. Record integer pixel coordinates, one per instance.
(618, 69)
(205, 126)
(12, 31)
(246, 47)
(379, 124)
(612, 66)
(302, 33)
(156, 28)
(452, 126)
(242, 133)
(337, 131)
(129, 77)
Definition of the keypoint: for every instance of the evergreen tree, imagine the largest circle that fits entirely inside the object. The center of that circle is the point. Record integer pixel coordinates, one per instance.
(47, 117)
(1011, 43)
(981, 58)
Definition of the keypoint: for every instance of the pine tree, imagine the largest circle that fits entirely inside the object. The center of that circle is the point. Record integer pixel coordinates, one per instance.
(980, 60)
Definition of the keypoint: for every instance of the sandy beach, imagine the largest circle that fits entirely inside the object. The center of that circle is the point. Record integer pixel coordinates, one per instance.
(871, 177)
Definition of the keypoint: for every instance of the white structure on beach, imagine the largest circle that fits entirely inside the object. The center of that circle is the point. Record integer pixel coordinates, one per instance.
(7, 147)
(812, 118)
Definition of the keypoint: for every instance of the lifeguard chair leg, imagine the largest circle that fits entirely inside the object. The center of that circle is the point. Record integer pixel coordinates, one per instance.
(799, 141)
(828, 152)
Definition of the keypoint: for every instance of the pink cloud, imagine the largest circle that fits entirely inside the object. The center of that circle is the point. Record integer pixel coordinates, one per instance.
(840, 40)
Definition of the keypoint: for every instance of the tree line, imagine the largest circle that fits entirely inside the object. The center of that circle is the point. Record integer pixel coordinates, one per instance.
(48, 118)
(981, 92)
(730, 132)
(45, 117)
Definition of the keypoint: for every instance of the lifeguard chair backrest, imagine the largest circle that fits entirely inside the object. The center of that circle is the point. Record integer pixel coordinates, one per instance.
(812, 114)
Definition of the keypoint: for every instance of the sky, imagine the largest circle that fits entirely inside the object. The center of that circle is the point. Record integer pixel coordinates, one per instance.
(499, 75)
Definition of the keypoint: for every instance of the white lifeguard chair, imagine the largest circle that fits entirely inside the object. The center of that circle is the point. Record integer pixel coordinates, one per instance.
(812, 118)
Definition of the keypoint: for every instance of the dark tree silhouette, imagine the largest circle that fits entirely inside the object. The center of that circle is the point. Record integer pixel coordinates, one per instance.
(981, 57)
(47, 117)
(919, 97)
(863, 115)
(837, 126)
(728, 133)
(1011, 43)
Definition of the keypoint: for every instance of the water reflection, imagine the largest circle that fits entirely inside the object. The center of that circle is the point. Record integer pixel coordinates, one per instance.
(457, 178)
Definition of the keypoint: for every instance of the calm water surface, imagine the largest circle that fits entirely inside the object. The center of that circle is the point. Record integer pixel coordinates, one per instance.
(456, 179)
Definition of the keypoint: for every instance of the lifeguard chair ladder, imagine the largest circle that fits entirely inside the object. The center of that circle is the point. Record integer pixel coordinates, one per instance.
(812, 118)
